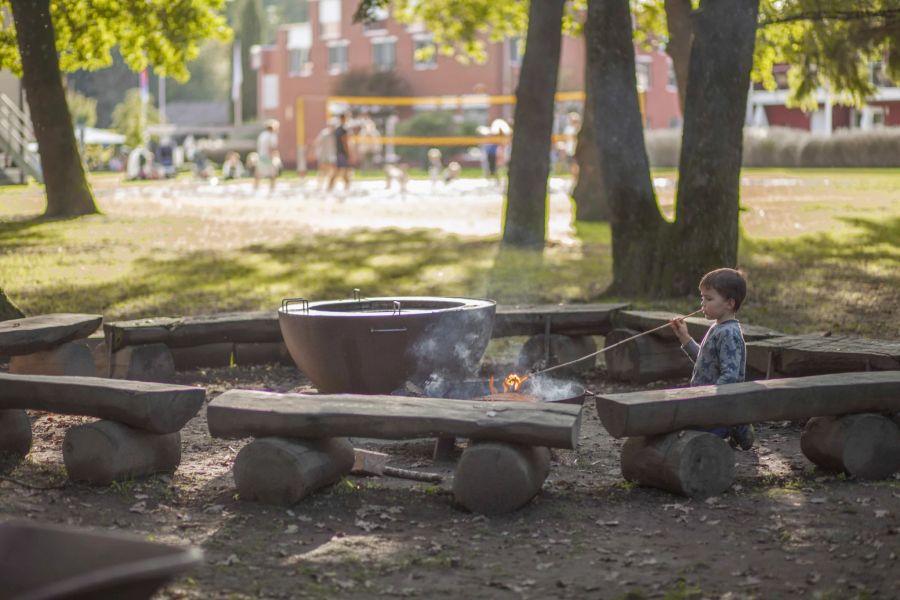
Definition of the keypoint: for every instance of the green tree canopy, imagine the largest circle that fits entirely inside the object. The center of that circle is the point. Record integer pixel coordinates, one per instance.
(164, 34)
(82, 108)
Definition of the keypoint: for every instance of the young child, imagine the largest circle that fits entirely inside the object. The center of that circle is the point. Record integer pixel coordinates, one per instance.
(722, 356)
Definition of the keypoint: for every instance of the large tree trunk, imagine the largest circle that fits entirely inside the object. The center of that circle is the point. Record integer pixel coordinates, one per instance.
(529, 165)
(706, 213)
(639, 230)
(68, 192)
(681, 36)
(591, 201)
(8, 309)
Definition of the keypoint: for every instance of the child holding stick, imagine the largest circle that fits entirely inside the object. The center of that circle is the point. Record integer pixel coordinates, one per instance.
(722, 356)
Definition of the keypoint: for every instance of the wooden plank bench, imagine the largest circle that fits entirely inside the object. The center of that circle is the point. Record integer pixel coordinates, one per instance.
(155, 348)
(658, 355)
(846, 432)
(138, 433)
(49, 344)
(796, 355)
(301, 444)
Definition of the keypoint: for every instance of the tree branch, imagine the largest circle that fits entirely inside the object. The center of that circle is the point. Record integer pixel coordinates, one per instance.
(838, 15)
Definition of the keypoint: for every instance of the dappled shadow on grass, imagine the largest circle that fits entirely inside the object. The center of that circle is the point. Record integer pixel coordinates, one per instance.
(327, 266)
(848, 284)
(17, 234)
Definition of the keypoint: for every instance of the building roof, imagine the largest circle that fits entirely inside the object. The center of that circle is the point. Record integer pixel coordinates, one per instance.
(197, 113)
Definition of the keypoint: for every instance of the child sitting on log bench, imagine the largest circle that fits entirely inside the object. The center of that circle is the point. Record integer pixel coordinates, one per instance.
(722, 355)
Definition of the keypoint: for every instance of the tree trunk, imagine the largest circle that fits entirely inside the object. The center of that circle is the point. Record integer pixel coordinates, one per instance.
(639, 231)
(68, 192)
(8, 308)
(591, 201)
(706, 214)
(681, 36)
(529, 165)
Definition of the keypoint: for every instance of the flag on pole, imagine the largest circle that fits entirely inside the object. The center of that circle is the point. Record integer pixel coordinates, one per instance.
(145, 86)
(237, 72)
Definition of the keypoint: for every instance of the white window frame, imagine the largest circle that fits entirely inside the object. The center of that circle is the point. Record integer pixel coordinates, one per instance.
(330, 28)
(338, 69)
(427, 39)
(299, 39)
(384, 40)
(645, 62)
(270, 91)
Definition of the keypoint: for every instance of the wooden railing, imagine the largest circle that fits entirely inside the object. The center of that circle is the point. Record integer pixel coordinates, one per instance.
(17, 138)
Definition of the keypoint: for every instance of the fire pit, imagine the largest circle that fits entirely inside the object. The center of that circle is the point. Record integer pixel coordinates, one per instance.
(375, 345)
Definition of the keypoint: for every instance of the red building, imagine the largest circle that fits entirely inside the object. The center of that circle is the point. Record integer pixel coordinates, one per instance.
(301, 70)
(768, 108)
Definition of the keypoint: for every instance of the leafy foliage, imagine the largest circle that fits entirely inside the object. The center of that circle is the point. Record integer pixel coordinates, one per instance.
(163, 33)
(82, 108)
(827, 43)
(432, 123)
(126, 117)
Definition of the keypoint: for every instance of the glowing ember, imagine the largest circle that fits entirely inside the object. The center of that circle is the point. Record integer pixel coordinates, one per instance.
(511, 384)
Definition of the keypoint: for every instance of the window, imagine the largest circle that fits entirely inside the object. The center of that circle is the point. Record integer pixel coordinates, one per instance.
(270, 91)
(515, 51)
(672, 83)
(299, 41)
(298, 62)
(642, 70)
(384, 54)
(330, 18)
(337, 57)
(424, 53)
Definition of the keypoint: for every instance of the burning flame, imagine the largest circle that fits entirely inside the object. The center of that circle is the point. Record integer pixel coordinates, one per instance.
(510, 383)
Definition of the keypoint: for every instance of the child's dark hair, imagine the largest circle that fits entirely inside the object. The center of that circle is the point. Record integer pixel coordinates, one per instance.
(728, 282)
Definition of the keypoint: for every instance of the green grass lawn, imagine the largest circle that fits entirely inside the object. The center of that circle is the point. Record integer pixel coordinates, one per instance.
(821, 254)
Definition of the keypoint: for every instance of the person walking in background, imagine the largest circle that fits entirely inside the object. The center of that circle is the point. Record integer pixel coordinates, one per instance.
(268, 160)
(325, 153)
(570, 143)
(342, 153)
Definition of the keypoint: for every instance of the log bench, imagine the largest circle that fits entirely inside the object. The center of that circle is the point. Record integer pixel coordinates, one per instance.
(850, 429)
(797, 355)
(301, 441)
(658, 355)
(138, 432)
(51, 344)
(155, 348)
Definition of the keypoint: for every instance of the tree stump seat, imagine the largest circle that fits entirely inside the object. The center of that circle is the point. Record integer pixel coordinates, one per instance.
(138, 432)
(852, 427)
(301, 441)
(52, 344)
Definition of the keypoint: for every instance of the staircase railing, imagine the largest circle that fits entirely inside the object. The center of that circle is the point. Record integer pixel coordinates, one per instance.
(17, 138)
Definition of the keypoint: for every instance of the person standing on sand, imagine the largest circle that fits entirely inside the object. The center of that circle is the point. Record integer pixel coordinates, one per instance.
(268, 158)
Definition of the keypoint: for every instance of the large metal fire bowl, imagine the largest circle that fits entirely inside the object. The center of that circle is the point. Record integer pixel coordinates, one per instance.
(374, 345)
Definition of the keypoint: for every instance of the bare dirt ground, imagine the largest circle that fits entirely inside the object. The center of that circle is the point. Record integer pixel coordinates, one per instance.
(784, 530)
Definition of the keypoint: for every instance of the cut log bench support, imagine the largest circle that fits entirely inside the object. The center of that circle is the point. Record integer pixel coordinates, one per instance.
(283, 471)
(302, 436)
(15, 437)
(498, 477)
(138, 434)
(841, 435)
(866, 446)
(49, 344)
(696, 464)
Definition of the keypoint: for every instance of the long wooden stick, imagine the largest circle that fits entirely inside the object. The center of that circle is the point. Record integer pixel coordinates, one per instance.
(601, 351)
